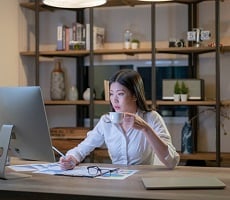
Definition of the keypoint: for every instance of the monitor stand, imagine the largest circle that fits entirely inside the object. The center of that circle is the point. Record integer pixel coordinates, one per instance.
(5, 136)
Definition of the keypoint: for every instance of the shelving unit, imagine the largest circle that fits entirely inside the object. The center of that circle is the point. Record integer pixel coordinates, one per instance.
(193, 56)
(191, 52)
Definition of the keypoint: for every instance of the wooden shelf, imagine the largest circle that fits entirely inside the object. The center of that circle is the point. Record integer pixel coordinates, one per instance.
(186, 50)
(211, 156)
(135, 2)
(78, 102)
(65, 102)
(27, 53)
(74, 53)
(208, 156)
(149, 102)
(225, 49)
(186, 103)
(225, 103)
(110, 3)
(123, 51)
(65, 53)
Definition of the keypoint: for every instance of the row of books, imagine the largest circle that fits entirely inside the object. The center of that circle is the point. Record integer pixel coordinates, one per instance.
(77, 37)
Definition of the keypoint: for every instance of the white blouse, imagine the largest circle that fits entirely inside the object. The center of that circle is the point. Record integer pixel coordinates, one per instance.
(130, 148)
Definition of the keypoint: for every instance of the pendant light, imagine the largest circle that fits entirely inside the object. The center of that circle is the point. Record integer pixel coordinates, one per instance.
(74, 3)
(155, 0)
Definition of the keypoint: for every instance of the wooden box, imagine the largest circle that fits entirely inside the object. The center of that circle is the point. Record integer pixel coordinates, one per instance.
(65, 138)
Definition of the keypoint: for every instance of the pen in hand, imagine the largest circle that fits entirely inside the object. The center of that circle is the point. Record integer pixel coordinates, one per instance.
(60, 153)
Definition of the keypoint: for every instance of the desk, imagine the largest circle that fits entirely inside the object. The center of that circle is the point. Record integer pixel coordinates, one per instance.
(47, 187)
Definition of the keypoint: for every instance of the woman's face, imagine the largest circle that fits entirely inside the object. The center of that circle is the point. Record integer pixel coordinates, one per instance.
(121, 98)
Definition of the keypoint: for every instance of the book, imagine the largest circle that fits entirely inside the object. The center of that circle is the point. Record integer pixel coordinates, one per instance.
(98, 37)
(78, 31)
(78, 36)
(67, 37)
(60, 37)
(106, 90)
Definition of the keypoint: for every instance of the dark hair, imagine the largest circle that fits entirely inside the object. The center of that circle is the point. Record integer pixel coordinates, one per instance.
(132, 80)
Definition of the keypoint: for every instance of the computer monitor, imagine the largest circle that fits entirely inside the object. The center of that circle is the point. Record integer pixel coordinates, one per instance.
(24, 127)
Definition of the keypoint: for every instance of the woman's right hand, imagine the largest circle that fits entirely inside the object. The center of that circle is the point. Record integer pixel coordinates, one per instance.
(68, 162)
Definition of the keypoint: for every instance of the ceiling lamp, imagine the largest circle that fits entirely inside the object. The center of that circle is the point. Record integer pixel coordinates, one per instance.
(155, 0)
(74, 3)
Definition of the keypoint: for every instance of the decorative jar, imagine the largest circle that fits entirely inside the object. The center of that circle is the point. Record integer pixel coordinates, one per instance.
(73, 94)
(57, 82)
(86, 94)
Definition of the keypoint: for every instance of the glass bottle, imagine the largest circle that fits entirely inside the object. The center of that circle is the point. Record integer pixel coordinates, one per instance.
(127, 39)
(57, 84)
(186, 139)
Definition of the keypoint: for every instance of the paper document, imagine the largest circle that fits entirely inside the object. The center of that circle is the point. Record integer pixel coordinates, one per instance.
(51, 167)
(121, 174)
(83, 171)
(78, 171)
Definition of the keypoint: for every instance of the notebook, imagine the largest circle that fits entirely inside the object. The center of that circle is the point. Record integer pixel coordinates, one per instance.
(154, 183)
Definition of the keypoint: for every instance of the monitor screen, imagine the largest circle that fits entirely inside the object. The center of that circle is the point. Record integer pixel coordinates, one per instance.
(24, 127)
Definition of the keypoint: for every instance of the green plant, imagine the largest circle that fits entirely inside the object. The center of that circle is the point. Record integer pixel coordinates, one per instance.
(177, 89)
(184, 88)
(134, 40)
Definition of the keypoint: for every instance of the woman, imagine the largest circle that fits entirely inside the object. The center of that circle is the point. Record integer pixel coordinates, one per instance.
(141, 137)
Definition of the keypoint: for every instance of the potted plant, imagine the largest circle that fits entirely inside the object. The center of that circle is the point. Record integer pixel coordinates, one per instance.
(177, 91)
(135, 43)
(184, 92)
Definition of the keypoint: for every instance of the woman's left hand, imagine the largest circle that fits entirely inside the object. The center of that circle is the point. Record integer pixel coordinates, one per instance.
(134, 121)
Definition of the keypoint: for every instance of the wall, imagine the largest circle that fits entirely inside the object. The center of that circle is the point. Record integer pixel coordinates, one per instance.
(9, 57)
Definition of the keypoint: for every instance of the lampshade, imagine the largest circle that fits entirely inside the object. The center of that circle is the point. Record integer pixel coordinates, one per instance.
(155, 0)
(74, 3)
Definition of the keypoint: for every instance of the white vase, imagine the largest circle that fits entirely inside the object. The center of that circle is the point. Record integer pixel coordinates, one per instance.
(86, 94)
(127, 45)
(184, 97)
(73, 94)
(57, 82)
(176, 97)
(134, 45)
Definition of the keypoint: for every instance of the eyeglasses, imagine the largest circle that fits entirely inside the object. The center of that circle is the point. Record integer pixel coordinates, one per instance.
(97, 171)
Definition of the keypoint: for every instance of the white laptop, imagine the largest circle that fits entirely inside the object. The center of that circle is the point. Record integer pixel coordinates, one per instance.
(155, 183)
